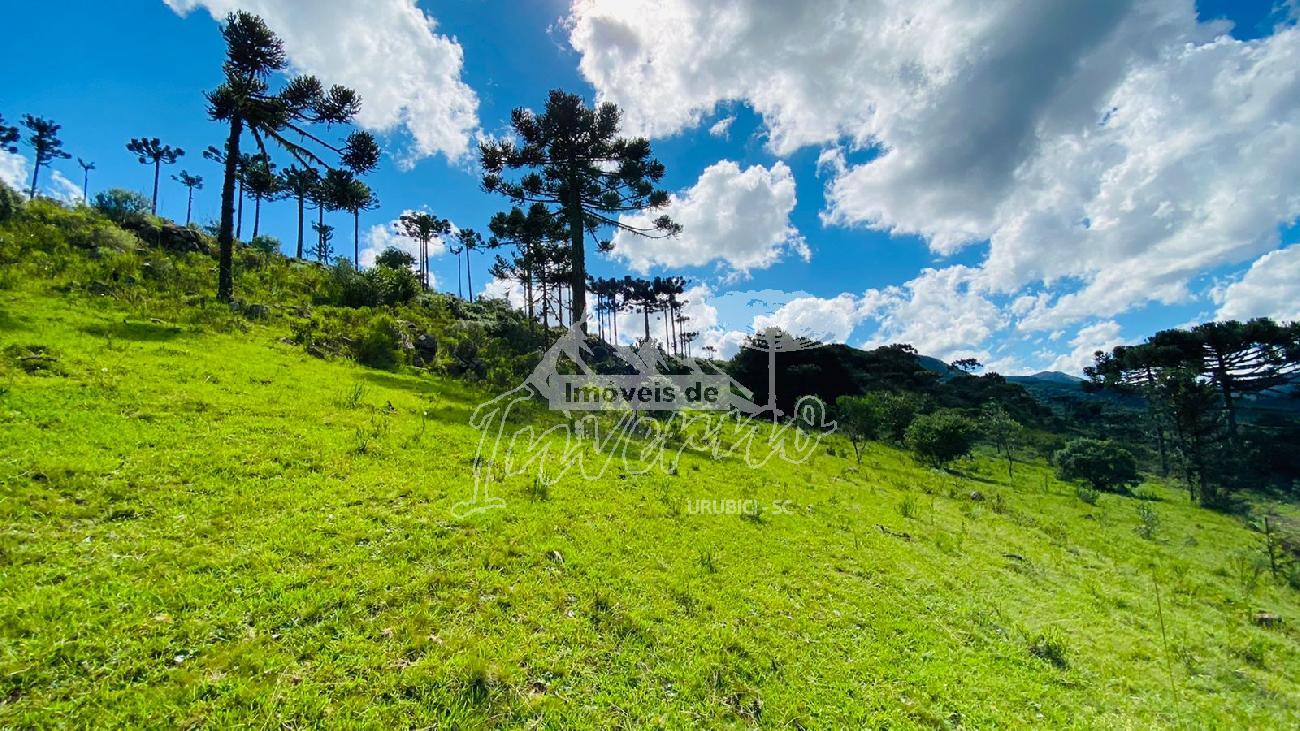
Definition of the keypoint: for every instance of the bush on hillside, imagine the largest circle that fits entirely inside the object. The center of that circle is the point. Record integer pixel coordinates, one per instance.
(942, 437)
(380, 345)
(856, 420)
(265, 244)
(373, 287)
(122, 206)
(893, 413)
(11, 202)
(394, 258)
(1103, 464)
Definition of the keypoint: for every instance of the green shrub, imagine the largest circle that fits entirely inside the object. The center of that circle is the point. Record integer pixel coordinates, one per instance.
(1102, 464)
(380, 344)
(394, 258)
(941, 437)
(11, 202)
(1087, 494)
(265, 244)
(1148, 522)
(372, 288)
(893, 413)
(122, 206)
(395, 286)
(1050, 646)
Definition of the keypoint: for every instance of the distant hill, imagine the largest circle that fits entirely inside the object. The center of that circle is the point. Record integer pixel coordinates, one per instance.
(1051, 376)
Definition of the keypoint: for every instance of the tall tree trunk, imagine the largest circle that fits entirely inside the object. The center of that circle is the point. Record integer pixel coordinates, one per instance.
(320, 232)
(460, 293)
(189, 206)
(225, 235)
(36, 171)
(771, 379)
(528, 295)
(1229, 405)
(239, 222)
(469, 274)
(302, 204)
(672, 320)
(578, 279)
(546, 320)
(645, 313)
(257, 215)
(85, 188)
(157, 170)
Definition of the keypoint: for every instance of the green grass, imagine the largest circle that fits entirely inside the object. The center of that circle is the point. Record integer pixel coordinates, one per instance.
(205, 528)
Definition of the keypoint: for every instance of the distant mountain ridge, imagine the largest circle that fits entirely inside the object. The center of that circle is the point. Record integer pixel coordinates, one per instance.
(1052, 376)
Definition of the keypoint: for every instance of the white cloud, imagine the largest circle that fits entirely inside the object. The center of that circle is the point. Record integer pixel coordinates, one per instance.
(828, 320)
(509, 290)
(938, 312)
(1110, 153)
(407, 74)
(722, 127)
(63, 189)
(737, 217)
(1085, 343)
(1195, 168)
(1270, 288)
(14, 171)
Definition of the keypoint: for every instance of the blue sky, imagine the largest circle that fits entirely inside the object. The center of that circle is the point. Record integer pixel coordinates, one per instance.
(910, 196)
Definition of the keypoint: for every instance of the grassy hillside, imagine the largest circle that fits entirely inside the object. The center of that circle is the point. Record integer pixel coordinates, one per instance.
(201, 525)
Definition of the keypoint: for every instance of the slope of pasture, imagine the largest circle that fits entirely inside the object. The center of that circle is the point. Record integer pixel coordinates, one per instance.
(204, 528)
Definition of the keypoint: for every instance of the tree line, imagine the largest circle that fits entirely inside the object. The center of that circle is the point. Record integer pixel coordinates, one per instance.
(1195, 384)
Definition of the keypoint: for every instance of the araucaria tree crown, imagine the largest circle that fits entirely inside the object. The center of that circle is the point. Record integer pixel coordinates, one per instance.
(244, 101)
(572, 159)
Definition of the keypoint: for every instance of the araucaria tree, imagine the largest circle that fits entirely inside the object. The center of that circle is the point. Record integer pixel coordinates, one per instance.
(471, 241)
(46, 146)
(571, 159)
(8, 136)
(245, 102)
(261, 183)
(528, 233)
(424, 227)
(86, 167)
(299, 183)
(353, 196)
(192, 183)
(324, 235)
(151, 151)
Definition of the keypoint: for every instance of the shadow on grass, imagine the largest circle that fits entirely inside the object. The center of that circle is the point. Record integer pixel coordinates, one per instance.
(9, 322)
(144, 332)
(390, 380)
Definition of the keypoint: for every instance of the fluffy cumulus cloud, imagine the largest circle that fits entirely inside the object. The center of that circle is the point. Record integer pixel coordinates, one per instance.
(737, 217)
(1107, 153)
(825, 319)
(939, 312)
(1085, 344)
(408, 75)
(14, 170)
(63, 189)
(1270, 288)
